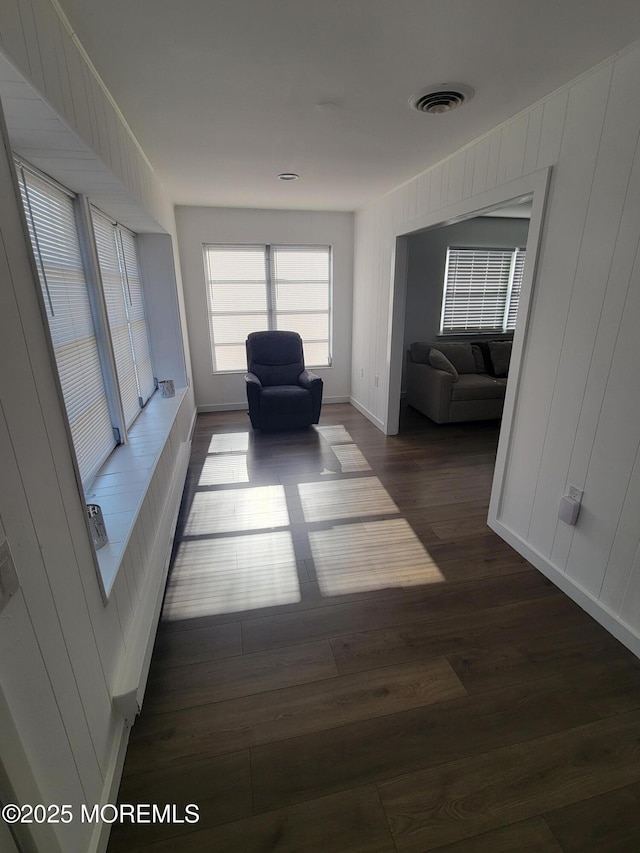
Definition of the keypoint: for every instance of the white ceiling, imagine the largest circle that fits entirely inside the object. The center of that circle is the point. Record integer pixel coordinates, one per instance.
(225, 94)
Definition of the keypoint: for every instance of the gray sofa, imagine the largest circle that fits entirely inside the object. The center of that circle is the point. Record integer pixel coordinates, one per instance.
(461, 381)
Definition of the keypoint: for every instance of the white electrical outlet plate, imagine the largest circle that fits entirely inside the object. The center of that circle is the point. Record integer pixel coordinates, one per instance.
(575, 494)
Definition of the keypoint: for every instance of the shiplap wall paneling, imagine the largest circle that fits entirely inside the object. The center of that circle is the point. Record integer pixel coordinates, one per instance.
(605, 178)
(607, 274)
(39, 44)
(550, 396)
(608, 484)
(33, 718)
(621, 587)
(41, 449)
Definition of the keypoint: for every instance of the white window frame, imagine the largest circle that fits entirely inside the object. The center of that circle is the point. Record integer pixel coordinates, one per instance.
(87, 261)
(506, 284)
(270, 308)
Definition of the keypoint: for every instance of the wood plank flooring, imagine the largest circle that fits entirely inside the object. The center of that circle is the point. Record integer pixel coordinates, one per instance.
(350, 661)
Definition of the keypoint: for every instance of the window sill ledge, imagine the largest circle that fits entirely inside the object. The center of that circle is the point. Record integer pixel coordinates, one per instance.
(121, 485)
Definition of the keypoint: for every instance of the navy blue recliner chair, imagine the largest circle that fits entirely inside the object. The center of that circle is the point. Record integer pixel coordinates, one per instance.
(280, 392)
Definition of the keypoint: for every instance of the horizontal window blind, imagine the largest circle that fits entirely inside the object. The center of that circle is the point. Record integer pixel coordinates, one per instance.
(122, 289)
(301, 278)
(251, 288)
(516, 288)
(237, 299)
(138, 328)
(52, 229)
(481, 289)
(111, 276)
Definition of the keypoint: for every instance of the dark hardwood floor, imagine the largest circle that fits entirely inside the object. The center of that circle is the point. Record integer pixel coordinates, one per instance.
(350, 660)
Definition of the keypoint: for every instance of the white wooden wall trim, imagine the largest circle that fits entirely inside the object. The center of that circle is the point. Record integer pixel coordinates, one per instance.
(374, 420)
(18, 784)
(242, 404)
(609, 620)
(131, 679)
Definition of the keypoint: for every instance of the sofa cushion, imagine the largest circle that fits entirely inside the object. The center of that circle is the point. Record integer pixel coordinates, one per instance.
(438, 360)
(478, 357)
(500, 352)
(477, 387)
(420, 352)
(460, 355)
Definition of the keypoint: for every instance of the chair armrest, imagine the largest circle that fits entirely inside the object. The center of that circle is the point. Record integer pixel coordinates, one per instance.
(251, 378)
(313, 384)
(254, 387)
(307, 379)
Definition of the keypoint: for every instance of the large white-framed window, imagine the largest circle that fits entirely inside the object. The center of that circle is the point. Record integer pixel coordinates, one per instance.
(256, 287)
(481, 290)
(95, 312)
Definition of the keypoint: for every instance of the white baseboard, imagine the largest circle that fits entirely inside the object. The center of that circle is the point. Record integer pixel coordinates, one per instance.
(238, 407)
(102, 831)
(364, 411)
(607, 618)
(222, 407)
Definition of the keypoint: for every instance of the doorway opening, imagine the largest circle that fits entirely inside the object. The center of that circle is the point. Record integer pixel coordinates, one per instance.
(528, 195)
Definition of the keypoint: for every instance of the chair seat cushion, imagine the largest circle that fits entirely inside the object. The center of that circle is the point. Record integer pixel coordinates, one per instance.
(285, 406)
(473, 386)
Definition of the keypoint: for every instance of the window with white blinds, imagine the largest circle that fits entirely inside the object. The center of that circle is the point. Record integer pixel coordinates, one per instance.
(122, 289)
(251, 288)
(54, 238)
(481, 290)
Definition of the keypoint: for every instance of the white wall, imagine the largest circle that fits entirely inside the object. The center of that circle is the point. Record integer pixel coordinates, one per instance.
(427, 254)
(198, 225)
(64, 651)
(577, 412)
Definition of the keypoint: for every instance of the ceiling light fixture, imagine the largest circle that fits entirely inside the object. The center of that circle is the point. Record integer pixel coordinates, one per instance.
(288, 176)
(442, 98)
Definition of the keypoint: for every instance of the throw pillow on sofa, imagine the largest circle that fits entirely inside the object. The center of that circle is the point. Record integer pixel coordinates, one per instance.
(438, 360)
(500, 356)
(460, 355)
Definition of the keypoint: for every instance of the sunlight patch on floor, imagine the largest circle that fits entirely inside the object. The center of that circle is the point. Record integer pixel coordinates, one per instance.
(350, 458)
(237, 509)
(228, 442)
(219, 470)
(345, 499)
(231, 574)
(334, 434)
(358, 558)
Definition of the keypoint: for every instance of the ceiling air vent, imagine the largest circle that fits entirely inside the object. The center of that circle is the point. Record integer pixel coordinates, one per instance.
(441, 99)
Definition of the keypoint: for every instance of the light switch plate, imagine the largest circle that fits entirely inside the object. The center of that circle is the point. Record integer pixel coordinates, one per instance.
(9, 583)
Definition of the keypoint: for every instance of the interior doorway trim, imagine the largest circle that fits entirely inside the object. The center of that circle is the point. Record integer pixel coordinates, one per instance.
(536, 185)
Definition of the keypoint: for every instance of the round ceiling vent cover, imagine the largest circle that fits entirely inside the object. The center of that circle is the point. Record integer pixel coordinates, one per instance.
(441, 99)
